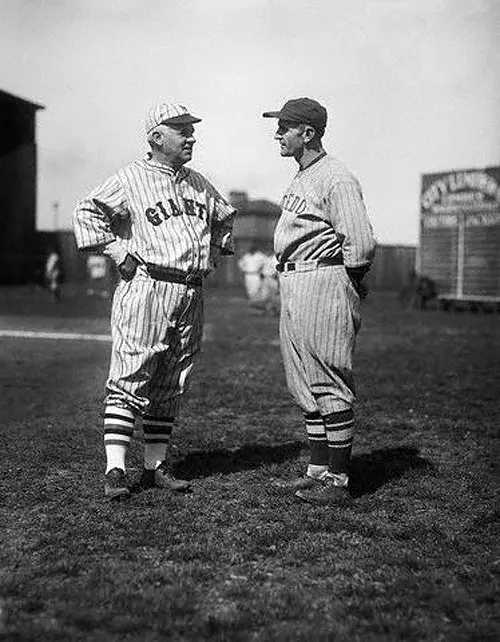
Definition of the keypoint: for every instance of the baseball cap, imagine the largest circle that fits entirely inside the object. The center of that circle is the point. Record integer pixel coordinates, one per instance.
(169, 113)
(301, 110)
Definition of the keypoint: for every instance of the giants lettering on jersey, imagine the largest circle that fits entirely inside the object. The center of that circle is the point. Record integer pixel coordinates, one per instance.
(294, 203)
(156, 215)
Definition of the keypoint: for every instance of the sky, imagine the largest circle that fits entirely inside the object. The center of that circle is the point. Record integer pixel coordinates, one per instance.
(411, 87)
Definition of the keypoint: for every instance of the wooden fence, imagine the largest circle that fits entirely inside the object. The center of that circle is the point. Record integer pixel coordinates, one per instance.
(391, 269)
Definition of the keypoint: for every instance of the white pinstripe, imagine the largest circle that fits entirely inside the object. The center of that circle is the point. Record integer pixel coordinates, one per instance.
(157, 330)
(166, 218)
(170, 219)
(323, 216)
(320, 317)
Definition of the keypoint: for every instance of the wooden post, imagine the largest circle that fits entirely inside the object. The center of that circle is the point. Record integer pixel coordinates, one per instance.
(460, 254)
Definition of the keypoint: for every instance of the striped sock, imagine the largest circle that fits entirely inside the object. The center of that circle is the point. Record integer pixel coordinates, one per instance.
(318, 446)
(339, 428)
(157, 433)
(118, 430)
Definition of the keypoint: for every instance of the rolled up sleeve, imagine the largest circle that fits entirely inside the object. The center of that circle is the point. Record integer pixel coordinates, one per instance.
(94, 216)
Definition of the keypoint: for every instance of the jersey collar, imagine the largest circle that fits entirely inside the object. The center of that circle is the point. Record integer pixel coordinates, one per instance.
(315, 160)
(178, 175)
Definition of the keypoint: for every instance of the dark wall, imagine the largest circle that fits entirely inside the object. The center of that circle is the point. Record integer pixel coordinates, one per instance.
(17, 123)
(392, 267)
(17, 214)
(18, 171)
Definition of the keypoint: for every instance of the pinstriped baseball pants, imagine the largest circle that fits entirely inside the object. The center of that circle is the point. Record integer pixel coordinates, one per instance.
(320, 318)
(156, 332)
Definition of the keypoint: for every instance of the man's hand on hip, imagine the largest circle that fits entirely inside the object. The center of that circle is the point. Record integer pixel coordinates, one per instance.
(128, 267)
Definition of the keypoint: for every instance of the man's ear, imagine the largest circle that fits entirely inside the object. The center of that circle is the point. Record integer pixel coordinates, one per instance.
(309, 133)
(156, 136)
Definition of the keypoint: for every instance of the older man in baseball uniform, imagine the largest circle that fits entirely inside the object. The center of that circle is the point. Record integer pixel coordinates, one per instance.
(164, 226)
(324, 246)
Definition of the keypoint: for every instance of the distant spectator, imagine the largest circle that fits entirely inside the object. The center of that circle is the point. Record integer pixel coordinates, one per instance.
(418, 291)
(97, 274)
(270, 287)
(426, 291)
(53, 274)
(251, 264)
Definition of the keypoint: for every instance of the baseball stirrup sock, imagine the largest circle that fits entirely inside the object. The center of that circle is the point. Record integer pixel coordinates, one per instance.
(339, 428)
(118, 430)
(157, 433)
(318, 445)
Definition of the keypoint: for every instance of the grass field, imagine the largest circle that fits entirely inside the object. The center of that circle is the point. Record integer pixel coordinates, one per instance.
(415, 557)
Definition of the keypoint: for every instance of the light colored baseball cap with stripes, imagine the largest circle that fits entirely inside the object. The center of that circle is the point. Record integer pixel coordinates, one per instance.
(168, 113)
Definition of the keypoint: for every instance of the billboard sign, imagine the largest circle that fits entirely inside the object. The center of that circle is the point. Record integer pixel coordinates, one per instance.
(460, 232)
(446, 196)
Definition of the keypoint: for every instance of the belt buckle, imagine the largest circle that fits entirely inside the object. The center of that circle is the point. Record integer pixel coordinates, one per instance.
(192, 279)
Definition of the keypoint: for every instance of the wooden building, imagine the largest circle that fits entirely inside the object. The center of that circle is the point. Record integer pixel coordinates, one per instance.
(392, 268)
(18, 172)
(254, 226)
(460, 234)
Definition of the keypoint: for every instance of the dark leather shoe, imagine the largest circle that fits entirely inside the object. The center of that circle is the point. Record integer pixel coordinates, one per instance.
(115, 484)
(326, 493)
(162, 477)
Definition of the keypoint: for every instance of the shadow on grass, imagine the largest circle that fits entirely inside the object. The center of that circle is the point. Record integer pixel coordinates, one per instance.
(373, 470)
(368, 472)
(205, 463)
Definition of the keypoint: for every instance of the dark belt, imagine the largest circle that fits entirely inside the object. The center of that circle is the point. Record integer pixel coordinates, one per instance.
(173, 275)
(290, 266)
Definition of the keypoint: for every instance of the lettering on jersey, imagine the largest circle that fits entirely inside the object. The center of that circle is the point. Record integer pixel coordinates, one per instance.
(153, 216)
(293, 203)
(202, 208)
(189, 206)
(173, 206)
(164, 212)
(156, 215)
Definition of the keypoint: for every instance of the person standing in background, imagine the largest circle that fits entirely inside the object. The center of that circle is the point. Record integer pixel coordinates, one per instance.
(251, 264)
(97, 274)
(53, 274)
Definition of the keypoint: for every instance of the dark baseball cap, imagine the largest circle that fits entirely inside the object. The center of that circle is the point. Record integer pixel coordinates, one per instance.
(301, 110)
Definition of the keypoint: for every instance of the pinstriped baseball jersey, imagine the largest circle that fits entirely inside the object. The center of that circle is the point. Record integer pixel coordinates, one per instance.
(323, 215)
(166, 218)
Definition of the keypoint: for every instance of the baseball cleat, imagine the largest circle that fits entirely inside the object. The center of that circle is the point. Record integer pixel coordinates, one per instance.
(162, 477)
(326, 492)
(299, 483)
(115, 485)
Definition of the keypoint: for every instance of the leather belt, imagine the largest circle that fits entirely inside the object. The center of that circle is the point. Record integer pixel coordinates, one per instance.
(291, 266)
(174, 275)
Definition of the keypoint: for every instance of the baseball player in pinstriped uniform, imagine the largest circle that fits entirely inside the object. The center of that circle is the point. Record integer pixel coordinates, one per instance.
(251, 264)
(164, 226)
(324, 246)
